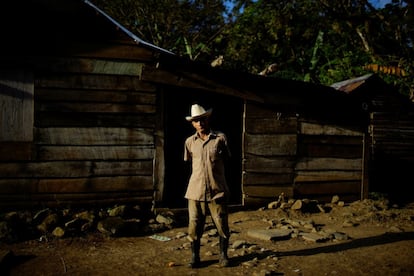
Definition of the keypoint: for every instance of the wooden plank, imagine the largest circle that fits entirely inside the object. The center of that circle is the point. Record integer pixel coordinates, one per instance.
(94, 136)
(257, 179)
(88, 66)
(339, 187)
(94, 107)
(271, 125)
(65, 200)
(330, 150)
(193, 80)
(67, 169)
(77, 81)
(365, 168)
(319, 129)
(393, 130)
(55, 119)
(159, 157)
(145, 95)
(327, 176)
(13, 151)
(391, 153)
(77, 185)
(336, 140)
(255, 111)
(323, 164)
(392, 117)
(135, 167)
(45, 169)
(17, 106)
(255, 163)
(127, 51)
(48, 153)
(270, 192)
(270, 144)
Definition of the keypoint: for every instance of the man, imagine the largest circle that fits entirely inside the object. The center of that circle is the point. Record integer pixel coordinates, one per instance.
(207, 188)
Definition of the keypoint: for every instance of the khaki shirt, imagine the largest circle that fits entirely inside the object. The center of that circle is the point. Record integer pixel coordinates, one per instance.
(207, 180)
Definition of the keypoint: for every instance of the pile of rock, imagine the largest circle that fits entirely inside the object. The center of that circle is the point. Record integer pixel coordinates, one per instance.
(122, 220)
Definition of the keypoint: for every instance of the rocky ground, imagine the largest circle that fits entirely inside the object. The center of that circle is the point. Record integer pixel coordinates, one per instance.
(368, 237)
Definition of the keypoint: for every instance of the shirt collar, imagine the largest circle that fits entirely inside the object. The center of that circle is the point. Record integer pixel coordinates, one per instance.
(212, 134)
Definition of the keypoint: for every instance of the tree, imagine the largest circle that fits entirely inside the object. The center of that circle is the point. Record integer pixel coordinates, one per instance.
(323, 41)
(319, 41)
(187, 28)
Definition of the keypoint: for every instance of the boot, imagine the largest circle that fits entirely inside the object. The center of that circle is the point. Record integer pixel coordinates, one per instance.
(224, 245)
(195, 254)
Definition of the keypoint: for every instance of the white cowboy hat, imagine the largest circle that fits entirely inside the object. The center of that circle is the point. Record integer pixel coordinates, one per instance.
(197, 111)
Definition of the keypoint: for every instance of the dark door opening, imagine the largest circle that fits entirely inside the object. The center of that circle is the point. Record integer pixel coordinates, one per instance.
(226, 117)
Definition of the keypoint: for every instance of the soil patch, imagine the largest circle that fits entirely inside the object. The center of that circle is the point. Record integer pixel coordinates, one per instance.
(361, 238)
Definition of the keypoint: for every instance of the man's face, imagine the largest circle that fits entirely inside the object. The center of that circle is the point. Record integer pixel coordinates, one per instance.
(200, 124)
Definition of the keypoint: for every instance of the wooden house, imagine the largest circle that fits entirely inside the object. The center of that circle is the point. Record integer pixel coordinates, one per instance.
(389, 134)
(91, 114)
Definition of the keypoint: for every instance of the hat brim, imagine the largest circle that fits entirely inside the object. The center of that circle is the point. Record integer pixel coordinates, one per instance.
(205, 114)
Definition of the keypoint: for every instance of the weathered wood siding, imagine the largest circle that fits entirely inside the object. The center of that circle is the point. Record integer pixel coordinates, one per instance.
(269, 154)
(330, 162)
(93, 134)
(391, 165)
(302, 158)
(392, 134)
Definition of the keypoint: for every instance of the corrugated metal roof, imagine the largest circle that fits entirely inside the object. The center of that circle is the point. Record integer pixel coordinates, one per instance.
(350, 85)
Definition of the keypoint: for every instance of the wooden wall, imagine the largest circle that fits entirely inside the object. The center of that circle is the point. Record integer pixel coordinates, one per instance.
(391, 135)
(330, 162)
(93, 126)
(269, 154)
(285, 152)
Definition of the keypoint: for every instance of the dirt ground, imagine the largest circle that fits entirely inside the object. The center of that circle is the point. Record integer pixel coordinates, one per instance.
(378, 241)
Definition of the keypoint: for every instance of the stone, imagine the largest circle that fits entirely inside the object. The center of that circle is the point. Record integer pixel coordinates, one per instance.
(314, 237)
(270, 234)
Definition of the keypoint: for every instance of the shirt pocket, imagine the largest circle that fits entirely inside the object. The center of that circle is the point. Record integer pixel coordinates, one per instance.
(215, 153)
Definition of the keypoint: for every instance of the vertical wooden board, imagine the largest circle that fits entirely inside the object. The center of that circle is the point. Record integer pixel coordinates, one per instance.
(16, 106)
(159, 160)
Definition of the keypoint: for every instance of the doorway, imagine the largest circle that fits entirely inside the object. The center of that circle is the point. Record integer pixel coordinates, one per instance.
(226, 117)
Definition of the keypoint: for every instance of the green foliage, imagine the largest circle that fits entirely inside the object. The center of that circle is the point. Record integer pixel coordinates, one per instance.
(186, 27)
(317, 41)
